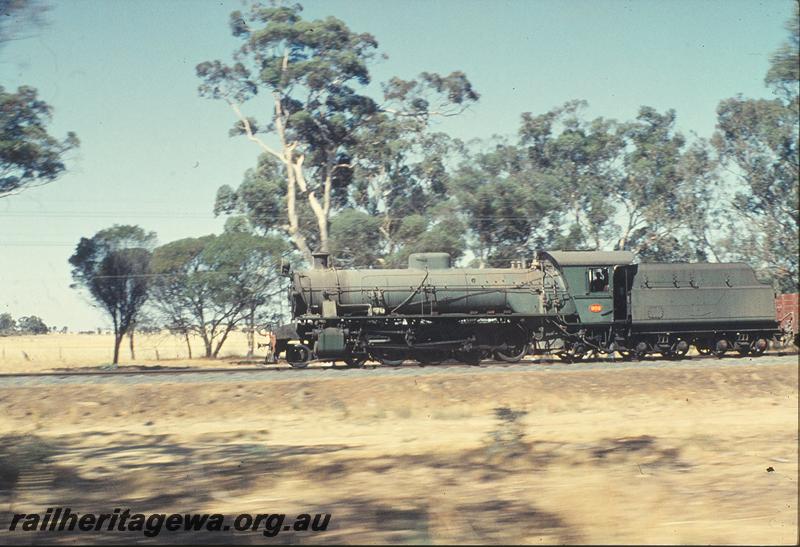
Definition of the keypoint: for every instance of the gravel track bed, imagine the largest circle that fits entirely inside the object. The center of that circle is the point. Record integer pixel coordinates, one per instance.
(327, 372)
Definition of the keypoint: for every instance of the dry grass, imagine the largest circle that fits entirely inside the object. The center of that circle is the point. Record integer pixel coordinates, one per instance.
(51, 351)
(74, 351)
(589, 456)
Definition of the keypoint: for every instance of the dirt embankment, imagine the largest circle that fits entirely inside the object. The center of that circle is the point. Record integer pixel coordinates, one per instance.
(621, 456)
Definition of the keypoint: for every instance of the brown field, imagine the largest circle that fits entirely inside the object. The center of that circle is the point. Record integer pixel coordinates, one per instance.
(52, 351)
(672, 455)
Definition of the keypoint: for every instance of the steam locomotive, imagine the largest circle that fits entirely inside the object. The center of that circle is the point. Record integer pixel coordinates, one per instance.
(567, 303)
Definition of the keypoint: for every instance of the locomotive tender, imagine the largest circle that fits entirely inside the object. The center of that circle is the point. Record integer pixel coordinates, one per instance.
(568, 303)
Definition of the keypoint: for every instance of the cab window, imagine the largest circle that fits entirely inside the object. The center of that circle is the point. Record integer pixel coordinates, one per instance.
(598, 279)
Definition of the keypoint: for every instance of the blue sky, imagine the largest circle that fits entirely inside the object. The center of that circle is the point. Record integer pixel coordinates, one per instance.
(120, 73)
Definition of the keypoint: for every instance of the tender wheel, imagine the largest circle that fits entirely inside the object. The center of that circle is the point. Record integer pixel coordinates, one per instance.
(680, 349)
(720, 347)
(759, 347)
(641, 350)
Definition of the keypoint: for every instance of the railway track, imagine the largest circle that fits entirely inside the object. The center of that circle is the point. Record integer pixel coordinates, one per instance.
(326, 370)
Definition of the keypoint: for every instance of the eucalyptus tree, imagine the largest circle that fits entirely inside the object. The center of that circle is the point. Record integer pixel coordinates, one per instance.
(8, 325)
(210, 284)
(757, 140)
(32, 324)
(580, 161)
(666, 190)
(509, 206)
(573, 183)
(114, 267)
(29, 155)
(549, 188)
(321, 125)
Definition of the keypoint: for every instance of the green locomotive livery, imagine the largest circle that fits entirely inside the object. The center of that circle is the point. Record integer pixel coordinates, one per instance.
(569, 303)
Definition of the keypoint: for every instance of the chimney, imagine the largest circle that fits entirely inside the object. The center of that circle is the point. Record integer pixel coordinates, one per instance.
(321, 260)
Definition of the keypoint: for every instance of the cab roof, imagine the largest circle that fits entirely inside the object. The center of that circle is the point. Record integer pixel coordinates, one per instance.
(588, 258)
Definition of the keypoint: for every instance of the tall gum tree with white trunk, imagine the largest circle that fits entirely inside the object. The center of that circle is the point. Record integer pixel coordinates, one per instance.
(312, 79)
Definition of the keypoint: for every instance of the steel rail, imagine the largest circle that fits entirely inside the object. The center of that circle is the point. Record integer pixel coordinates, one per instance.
(411, 364)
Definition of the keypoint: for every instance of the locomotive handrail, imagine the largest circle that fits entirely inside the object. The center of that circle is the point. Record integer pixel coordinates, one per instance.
(464, 297)
(413, 294)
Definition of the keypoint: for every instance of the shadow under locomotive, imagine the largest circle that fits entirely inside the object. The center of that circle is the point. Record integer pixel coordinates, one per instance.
(565, 303)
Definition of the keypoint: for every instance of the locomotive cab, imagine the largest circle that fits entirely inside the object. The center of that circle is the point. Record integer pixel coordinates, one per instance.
(598, 282)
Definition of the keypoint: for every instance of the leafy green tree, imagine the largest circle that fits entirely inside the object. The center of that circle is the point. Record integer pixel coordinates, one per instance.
(182, 290)
(257, 282)
(321, 124)
(577, 184)
(666, 190)
(29, 155)
(508, 204)
(419, 235)
(757, 140)
(402, 178)
(381, 214)
(114, 267)
(355, 238)
(208, 285)
(260, 202)
(7, 324)
(549, 189)
(578, 161)
(32, 325)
